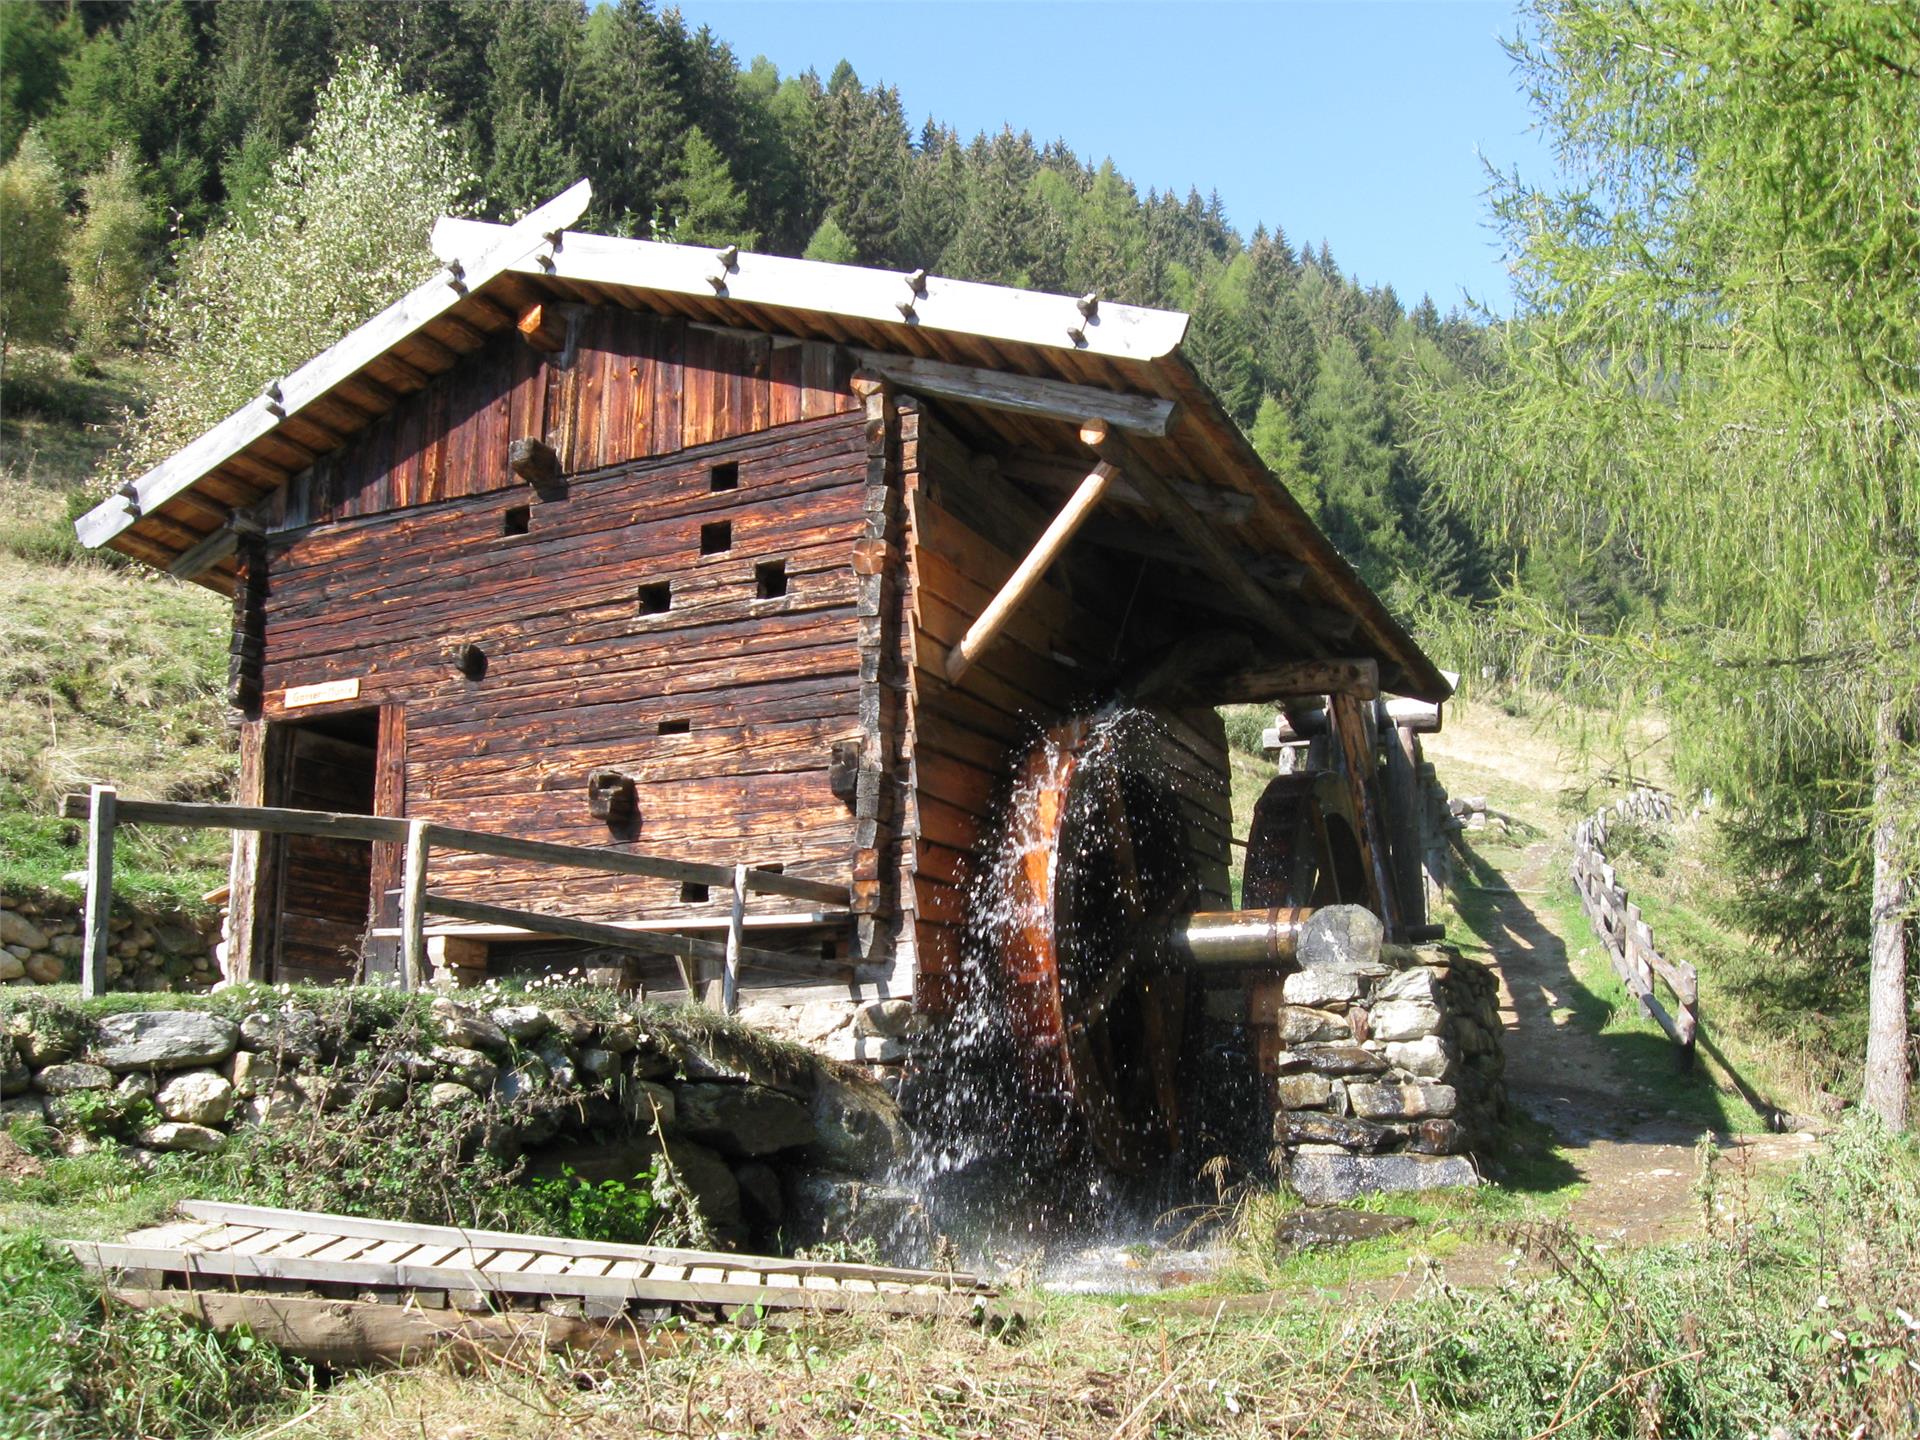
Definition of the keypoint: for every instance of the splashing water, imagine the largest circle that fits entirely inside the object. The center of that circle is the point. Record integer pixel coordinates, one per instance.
(1002, 1160)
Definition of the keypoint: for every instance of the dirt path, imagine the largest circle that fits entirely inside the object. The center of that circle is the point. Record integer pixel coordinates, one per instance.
(1633, 1152)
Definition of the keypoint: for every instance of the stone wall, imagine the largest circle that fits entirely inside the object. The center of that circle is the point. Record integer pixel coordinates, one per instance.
(775, 1145)
(152, 952)
(1385, 1062)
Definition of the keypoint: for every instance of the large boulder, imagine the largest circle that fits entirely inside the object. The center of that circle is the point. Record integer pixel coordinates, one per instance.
(18, 930)
(522, 1023)
(165, 1040)
(199, 1097)
(462, 1029)
(1322, 987)
(1403, 1020)
(14, 1074)
(730, 1055)
(741, 1119)
(1332, 1177)
(859, 1129)
(175, 1135)
(289, 1032)
(1429, 1057)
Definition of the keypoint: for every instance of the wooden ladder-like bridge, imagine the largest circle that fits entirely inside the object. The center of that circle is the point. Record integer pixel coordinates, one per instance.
(346, 1290)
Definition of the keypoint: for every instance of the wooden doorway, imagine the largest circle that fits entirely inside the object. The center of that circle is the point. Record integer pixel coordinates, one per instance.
(323, 899)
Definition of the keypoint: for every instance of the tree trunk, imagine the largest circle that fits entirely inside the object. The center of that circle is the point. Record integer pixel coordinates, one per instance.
(1887, 1078)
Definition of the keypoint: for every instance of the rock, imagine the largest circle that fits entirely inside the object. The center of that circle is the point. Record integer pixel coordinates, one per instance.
(1298, 1023)
(1437, 1137)
(1302, 1092)
(462, 1029)
(522, 1023)
(16, 929)
(165, 1040)
(44, 1038)
(1291, 1128)
(559, 1063)
(411, 1064)
(1402, 1020)
(278, 1102)
(1417, 983)
(469, 1067)
(760, 1199)
(199, 1097)
(620, 1037)
(253, 1072)
(817, 1019)
(824, 1208)
(11, 966)
(851, 1047)
(445, 1095)
(14, 1074)
(1322, 987)
(178, 940)
(742, 1119)
(1308, 1229)
(859, 1129)
(72, 1076)
(22, 1105)
(570, 1027)
(597, 1066)
(1330, 1178)
(647, 1103)
(287, 1032)
(178, 1135)
(1429, 1057)
(1402, 1102)
(1342, 937)
(1330, 1060)
(45, 969)
(387, 1092)
(529, 1077)
(325, 1092)
(887, 1018)
(723, 1055)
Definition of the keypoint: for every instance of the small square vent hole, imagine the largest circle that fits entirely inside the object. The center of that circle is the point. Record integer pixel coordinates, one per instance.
(692, 894)
(716, 537)
(770, 579)
(656, 599)
(724, 476)
(676, 727)
(515, 520)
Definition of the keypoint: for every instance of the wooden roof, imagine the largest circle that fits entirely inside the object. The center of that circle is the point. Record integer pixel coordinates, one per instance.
(1120, 362)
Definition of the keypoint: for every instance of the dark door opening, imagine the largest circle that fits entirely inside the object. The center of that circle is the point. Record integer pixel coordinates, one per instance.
(323, 888)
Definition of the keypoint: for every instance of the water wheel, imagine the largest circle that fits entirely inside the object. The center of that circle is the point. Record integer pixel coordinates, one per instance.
(1095, 996)
(1301, 849)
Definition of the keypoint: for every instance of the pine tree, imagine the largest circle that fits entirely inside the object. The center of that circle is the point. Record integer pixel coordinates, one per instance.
(830, 243)
(34, 48)
(269, 63)
(1275, 442)
(632, 116)
(1220, 344)
(1345, 429)
(706, 207)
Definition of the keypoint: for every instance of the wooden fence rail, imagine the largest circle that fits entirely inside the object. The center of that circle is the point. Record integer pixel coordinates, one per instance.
(718, 965)
(1616, 920)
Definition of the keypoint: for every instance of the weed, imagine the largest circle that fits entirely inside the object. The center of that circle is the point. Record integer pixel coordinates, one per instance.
(602, 1210)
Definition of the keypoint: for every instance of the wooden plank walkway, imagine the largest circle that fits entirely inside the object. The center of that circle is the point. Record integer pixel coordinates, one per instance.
(241, 1247)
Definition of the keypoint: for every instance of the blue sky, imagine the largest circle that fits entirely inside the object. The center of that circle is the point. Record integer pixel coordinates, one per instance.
(1362, 123)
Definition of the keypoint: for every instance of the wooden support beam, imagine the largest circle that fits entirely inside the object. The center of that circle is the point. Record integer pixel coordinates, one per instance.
(1029, 572)
(1022, 394)
(644, 942)
(1229, 570)
(538, 463)
(736, 924)
(1357, 764)
(102, 819)
(544, 327)
(215, 548)
(413, 907)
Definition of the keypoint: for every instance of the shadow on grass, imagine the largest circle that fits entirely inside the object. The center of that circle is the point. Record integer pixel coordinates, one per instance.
(1631, 1072)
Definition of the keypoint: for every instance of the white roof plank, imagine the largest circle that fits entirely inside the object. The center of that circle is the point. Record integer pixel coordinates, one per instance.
(492, 253)
(962, 307)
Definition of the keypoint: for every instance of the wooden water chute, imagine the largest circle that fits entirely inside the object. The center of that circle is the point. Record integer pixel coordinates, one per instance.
(734, 559)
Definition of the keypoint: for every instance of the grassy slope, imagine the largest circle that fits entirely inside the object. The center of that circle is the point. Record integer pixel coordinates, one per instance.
(109, 672)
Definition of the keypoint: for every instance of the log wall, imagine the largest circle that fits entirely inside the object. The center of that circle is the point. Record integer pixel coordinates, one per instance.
(691, 619)
(967, 528)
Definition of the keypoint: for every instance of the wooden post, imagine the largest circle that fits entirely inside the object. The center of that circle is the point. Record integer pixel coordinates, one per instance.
(413, 907)
(736, 926)
(1356, 753)
(1028, 572)
(100, 825)
(1403, 790)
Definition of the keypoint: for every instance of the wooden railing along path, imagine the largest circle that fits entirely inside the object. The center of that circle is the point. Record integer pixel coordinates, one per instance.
(1626, 937)
(715, 978)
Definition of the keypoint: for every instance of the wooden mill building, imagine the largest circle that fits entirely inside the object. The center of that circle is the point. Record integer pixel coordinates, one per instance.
(730, 558)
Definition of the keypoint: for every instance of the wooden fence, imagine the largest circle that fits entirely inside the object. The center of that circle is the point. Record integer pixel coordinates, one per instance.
(1628, 939)
(714, 977)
